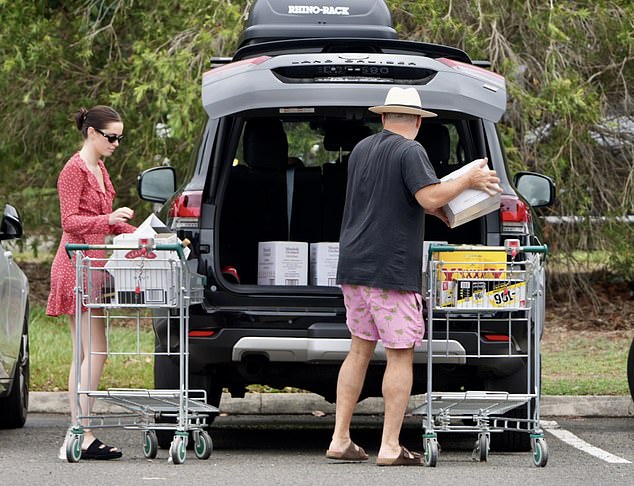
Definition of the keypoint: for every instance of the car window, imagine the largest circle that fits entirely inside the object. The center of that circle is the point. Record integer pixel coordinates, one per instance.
(316, 141)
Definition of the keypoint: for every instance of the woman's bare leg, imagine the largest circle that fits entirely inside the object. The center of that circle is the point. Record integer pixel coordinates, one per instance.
(93, 341)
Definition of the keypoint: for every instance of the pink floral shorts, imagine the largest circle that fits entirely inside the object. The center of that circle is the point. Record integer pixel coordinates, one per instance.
(393, 316)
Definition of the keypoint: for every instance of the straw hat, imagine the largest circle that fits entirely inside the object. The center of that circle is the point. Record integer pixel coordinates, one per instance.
(402, 100)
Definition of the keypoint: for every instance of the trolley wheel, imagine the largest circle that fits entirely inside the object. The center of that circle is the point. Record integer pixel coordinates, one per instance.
(482, 446)
(431, 452)
(540, 452)
(73, 448)
(178, 450)
(150, 444)
(203, 446)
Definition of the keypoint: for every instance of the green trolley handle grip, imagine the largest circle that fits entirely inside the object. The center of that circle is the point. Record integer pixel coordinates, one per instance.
(450, 248)
(177, 247)
(73, 247)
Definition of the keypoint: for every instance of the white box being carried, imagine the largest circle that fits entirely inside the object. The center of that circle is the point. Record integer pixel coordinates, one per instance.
(142, 275)
(323, 263)
(282, 263)
(469, 204)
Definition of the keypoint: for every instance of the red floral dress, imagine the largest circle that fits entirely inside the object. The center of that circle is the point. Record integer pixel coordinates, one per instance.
(84, 209)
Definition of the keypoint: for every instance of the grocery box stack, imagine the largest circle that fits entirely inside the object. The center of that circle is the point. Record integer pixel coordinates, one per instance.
(291, 262)
(478, 279)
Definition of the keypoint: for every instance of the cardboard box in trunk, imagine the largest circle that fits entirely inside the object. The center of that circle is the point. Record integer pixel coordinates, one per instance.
(323, 263)
(282, 263)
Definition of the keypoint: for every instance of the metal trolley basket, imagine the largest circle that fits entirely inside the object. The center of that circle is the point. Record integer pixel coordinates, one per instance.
(492, 289)
(133, 286)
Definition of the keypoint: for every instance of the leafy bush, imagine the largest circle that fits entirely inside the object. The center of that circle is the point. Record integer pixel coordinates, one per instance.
(568, 67)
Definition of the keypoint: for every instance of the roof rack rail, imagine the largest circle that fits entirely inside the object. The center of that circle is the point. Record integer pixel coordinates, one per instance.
(345, 44)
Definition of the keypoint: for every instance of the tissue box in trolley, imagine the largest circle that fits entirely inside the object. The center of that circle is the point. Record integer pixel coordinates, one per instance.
(145, 276)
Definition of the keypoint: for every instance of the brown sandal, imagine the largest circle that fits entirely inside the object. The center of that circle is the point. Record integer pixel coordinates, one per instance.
(352, 453)
(405, 458)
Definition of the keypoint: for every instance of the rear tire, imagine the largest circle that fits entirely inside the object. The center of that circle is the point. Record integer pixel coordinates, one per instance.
(166, 376)
(14, 407)
(508, 441)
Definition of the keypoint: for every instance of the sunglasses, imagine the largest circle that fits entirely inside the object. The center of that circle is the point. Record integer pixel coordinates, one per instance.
(110, 138)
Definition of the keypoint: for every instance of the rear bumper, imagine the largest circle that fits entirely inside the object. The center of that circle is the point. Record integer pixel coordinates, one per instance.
(320, 350)
(316, 341)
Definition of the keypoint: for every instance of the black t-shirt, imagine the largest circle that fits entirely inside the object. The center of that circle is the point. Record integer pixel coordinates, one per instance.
(381, 241)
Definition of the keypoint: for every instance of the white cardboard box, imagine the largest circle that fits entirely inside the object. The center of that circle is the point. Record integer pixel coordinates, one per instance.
(146, 278)
(282, 263)
(469, 204)
(324, 257)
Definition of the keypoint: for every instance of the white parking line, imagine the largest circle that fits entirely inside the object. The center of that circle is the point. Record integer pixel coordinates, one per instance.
(569, 438)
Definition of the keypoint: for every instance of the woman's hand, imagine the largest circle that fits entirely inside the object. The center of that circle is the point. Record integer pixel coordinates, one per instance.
(120, 215)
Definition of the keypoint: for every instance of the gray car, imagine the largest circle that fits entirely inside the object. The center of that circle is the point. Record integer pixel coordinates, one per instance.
(282, 118)
(14, 328)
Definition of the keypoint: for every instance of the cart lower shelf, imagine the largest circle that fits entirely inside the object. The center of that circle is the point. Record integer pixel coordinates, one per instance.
(155, 401)
(472, 403)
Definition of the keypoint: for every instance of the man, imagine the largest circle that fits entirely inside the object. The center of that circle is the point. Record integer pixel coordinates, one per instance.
(391, 184)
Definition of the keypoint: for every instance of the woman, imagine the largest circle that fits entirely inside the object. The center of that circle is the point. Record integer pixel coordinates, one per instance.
(86, 194)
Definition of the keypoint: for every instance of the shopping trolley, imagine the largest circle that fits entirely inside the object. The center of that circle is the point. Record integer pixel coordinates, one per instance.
(490, 291)
(134, 286)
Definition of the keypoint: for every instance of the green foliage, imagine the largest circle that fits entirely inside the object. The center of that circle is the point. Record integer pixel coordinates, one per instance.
(568, 67)
(144, 58)
(569, 70)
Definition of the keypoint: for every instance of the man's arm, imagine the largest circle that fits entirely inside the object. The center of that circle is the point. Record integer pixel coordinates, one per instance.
(436, 196)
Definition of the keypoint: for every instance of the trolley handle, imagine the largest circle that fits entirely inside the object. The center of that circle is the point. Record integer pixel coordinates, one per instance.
(450, 248)
(73, 247)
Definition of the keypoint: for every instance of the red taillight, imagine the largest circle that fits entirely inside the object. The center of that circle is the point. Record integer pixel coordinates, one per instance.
(201, 333)
(513, 210)
(186, 205)
(498, 338)
(483, 74)
(252, 62)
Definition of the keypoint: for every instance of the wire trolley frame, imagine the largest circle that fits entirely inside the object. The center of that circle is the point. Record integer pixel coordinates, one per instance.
(134, 286)
(495, 292)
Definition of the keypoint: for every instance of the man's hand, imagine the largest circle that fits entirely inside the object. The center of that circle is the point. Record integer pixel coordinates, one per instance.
(440, 214)
(484, 179)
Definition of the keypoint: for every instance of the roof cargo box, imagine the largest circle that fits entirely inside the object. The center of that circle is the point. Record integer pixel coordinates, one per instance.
(292, 19)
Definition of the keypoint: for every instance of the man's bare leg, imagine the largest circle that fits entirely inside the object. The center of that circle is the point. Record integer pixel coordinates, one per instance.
(349, 385)
(397, 388)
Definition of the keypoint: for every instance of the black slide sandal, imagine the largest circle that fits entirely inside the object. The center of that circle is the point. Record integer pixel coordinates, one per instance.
(98, 450)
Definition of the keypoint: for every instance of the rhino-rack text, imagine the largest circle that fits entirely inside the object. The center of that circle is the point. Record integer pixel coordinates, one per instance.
(315, 10)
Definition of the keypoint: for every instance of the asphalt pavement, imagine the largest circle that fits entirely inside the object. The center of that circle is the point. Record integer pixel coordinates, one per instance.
(289, 450)
(312, 404)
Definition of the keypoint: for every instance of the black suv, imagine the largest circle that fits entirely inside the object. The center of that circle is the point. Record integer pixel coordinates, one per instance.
(283, 116)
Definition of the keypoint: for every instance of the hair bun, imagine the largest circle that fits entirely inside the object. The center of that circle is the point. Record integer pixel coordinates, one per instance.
(80, 118)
